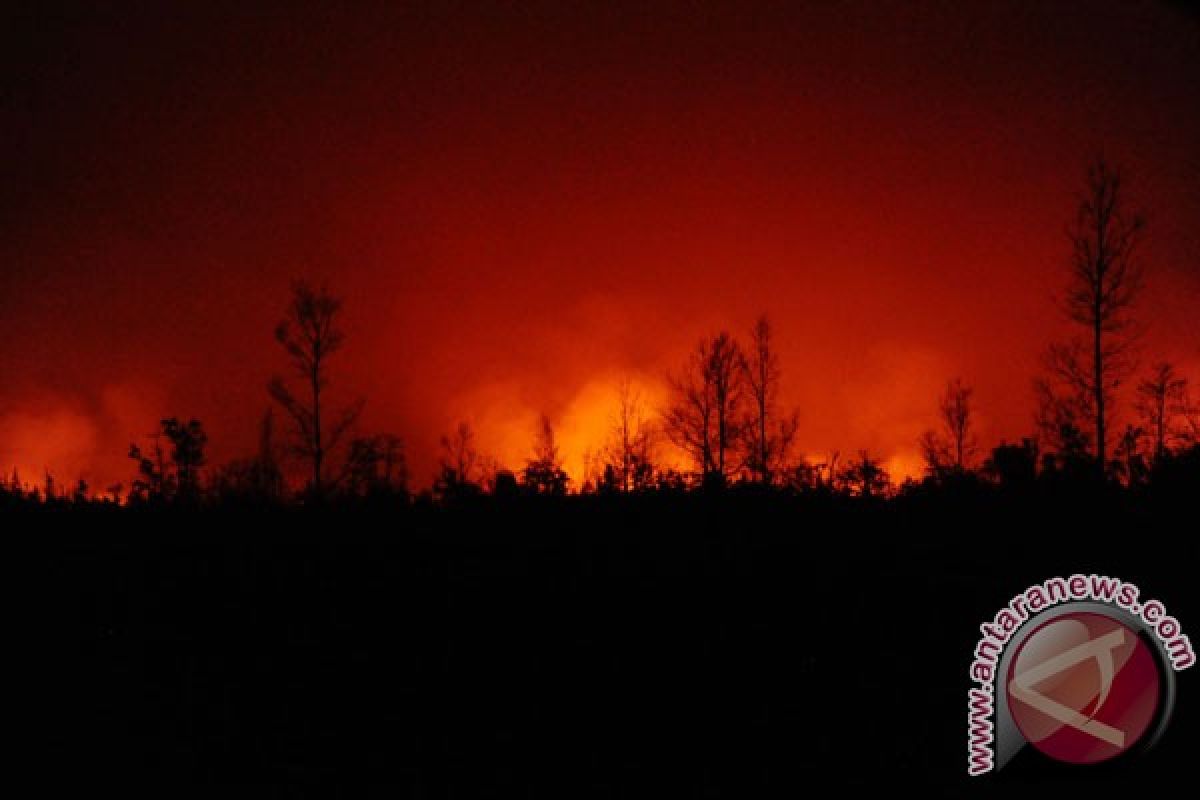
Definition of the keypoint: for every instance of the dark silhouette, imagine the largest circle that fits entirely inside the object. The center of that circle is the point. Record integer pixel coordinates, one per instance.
(628, 452)
(1105, 281)
(375, 467)
(164, 477)
(951, 448)
(768, 437)
(1129, 464)
(543, 473)
(151, 471)
(459, 456)
(188, 441)
(702, 417)
(1013, 466)
(309, 334)
(257, 480)
(814, 476)
(1164, 408)
(504, 485)
(865, 478)
(1062, 423)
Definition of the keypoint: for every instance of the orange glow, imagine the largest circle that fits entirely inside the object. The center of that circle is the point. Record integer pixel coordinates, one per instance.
(519, 210)
(59, 441)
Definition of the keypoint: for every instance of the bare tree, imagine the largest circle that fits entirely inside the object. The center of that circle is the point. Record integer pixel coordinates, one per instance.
(459, 455)
(956, 414)
(701, 416)
(1105, 281)
(954, 445)
(309, 334)
(630, 441)
(1164, 407)
(768, 438)
(935, 451)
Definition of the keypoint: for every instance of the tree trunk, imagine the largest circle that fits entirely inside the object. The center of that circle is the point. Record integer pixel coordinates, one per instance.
(1098, 355)
(318, 454)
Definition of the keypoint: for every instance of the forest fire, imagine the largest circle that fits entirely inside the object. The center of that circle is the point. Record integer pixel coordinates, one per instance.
(495, 271)
(561, 399)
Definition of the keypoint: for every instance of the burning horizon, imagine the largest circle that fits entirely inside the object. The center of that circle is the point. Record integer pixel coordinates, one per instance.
(523, 208)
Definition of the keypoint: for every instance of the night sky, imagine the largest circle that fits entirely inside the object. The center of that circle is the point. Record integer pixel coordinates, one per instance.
(523, 203)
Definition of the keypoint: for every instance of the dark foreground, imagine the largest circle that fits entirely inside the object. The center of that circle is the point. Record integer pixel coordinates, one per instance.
(688, 646)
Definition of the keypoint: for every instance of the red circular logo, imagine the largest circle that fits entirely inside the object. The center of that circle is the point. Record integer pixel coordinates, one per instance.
(1083, 688)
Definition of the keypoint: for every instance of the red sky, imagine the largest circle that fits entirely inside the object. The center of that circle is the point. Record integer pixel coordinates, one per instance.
(523, 205)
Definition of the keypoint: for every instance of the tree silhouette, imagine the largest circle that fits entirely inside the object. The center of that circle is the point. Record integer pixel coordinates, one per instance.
(1164, 408)
(309, 335)
(768, 438)
(815, 476)
(1105, 280)
(188, 441)
(701, 415)
(459, 457)
(375, 466)
(543, 473)
(628, 451)
(1129, 462)
(151, 480)
(865, 477)
(257, 479)
(953, 446)
(1013, 465)
(1062, 423)
(160, 479)
(504, 484)
(460, 466)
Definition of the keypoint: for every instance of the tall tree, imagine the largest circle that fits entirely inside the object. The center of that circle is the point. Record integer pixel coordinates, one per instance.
(630, 440)
(459, 455)
(768, 437)
(309, 335)
(956, 414)
(954, 445)
(1105, 280)
(701, 416)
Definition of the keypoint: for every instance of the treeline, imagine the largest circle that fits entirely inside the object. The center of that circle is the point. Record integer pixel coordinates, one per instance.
(378, 479)
(722, 415)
